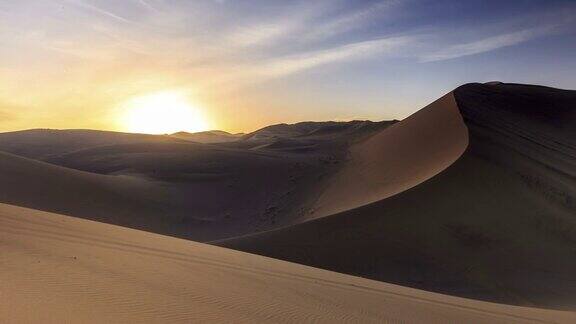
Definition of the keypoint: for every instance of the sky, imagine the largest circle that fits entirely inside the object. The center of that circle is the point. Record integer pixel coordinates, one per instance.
(251, 63)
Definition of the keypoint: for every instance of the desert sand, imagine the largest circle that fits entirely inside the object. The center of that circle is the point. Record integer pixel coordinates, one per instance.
(497, 224)
(402, 156)
(45, 143)
(472, 196)
(58, 269)
(201, 191)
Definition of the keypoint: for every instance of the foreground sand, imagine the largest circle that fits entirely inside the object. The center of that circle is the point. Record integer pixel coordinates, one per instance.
(58, 269)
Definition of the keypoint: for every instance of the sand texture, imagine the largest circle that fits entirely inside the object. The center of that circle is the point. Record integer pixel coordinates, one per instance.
(58, 269)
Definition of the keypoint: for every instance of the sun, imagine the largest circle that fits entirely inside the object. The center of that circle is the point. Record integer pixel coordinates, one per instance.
(163, 112)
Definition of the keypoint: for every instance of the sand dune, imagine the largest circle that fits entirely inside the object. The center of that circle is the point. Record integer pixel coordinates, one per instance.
(190, 190)
(497, 224)
(182, 199)
(122, 200)
(58, 269)
(332, 129)
(213, 136)
(397, 158)
(472, 196)
(45, 143)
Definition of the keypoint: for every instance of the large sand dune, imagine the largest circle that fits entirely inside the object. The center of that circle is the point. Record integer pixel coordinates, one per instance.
(190, 190)
(58, 269)
(398, 158)
(180, 192)
(497, 224)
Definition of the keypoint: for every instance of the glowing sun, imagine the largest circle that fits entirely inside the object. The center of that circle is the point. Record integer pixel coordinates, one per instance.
(162, 113)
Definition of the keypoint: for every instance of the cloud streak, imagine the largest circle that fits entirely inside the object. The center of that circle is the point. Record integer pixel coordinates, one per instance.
(345, 53)
(488, 44)
(240, 76)
(354, 20)
(100, 11)
(148, 6)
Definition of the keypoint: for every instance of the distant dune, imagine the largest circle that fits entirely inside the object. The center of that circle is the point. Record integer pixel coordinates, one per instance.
(312, 130)
(214, 136)
(58, 269)
(176, 187)
(497, 224)
(45, 143)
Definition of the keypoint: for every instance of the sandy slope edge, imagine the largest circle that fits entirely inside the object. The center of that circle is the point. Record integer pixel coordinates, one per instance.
(398, 158)
(60, 269)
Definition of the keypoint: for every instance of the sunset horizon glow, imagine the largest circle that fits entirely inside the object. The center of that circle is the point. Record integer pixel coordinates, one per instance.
(249, 64)
(164, 112)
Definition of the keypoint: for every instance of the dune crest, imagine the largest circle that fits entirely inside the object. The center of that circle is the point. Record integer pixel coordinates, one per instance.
(497, 224)
(397, 158)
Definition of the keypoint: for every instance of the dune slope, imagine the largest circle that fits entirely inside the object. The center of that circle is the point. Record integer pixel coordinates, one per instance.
(497, 224)
(180, 192)
(397, 158)
(175, 187)
(121, 200)
(58, 269)
(45, 143)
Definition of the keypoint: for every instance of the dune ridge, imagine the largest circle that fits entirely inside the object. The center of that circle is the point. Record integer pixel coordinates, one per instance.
(397, 158)
(497, 224)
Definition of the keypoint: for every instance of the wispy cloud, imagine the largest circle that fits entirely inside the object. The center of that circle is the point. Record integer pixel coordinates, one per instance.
(488, 44)
(98, 10)
(353, 20)
(148, 5)
(344, 53)
(238, 76)
(270, 30)
(259, 34)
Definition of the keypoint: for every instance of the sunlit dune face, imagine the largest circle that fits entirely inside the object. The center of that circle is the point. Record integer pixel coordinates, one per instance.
(162, 113)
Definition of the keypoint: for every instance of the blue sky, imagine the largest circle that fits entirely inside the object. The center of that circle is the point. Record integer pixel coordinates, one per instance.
(71, 63)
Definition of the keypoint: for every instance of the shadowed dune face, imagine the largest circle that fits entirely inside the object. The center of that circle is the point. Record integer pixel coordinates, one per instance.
(46, 143)
(127, 201)
(528, 130)
(498, 224)
(58, 269)
(180, 192)
(175, 187)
